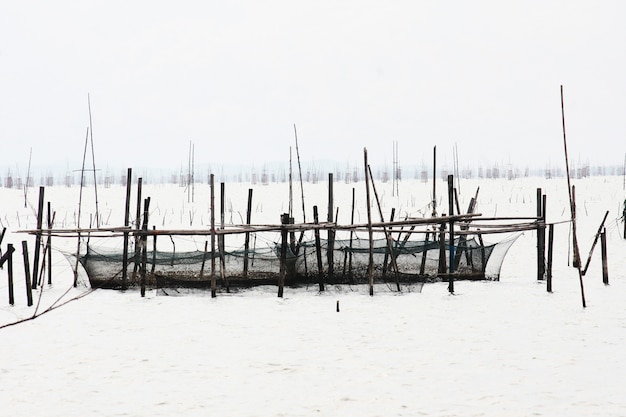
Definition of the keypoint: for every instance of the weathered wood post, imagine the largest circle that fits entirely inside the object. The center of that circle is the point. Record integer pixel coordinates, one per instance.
(8, 258)
(424, 252)
(129, 176)
(318, 250)
(284, 220)
(442, 249)
(137, 257)
(540, 236)
(221, 240)
(38, 238)
(144, 245)
(595, 242)
(370, 265)
(605, 267)
(246, 246)
(331, 232)
(154, 251)
(387, 251)
(213, 283)
(451, 225)
(550, 247)
(29, 289)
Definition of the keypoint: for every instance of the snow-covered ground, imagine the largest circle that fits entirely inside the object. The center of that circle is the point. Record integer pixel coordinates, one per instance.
(493, 348)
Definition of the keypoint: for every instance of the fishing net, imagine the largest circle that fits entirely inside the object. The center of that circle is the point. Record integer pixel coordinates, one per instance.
(332, 261)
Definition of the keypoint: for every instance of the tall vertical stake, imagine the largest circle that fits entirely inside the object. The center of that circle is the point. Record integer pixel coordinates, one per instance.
(435, 181)
(451, 226)
(38, 238)
(29, 289)
(550, 247)
(246, 246)
(572, 199)
(213, 284)
(331, 232)
(605, 267)
(540, 237)
(129, 175)
(9, 260)
(370, 265)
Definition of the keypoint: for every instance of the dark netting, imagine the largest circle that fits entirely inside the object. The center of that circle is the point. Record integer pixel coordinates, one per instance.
(407, 261)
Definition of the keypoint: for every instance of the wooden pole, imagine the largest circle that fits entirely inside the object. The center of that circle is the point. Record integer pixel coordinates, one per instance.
(387, 234)
(300, 174)
(550, 257)
(572, 195)
(154, 251)
(540, 237)
(284, 219)
(605, 267)
(80, 205)
(93, 164)
(595, 241)
(331, 233)
(144, 245)
(370, 266)
(424, 252)
(435, 181)
(213, 284)
(351, 235)
(129, 175)
(29, 289)
(38, 238)
(451, 226)
(387, 252)
(206, 244)
(222, 237)
(442, 249)
(246, 246)
(49, 244)
(9, 259)
(318, 250)
(137, 257)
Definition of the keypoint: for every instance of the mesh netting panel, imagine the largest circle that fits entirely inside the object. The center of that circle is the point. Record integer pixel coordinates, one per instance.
(410, 260)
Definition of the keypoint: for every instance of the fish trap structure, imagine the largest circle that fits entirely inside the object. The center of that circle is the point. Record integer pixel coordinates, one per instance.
(404, 258)
(410, 251)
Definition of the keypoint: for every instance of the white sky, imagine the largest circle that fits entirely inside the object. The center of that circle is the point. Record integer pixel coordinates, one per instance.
(234, 76)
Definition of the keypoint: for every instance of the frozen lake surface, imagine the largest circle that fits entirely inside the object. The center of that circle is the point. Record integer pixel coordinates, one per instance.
(504, 348)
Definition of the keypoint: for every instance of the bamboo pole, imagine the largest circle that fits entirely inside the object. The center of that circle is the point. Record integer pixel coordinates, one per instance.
(330, 249)
(80, 204)
(451, 231)
(605, 267)
(144, 245)
(93, 163)
(550, 250)
(387, 234)
(370, 266)
(29, 289)
(136, 259)
(49, 244)
(318, 251)
(38, 238)
(8, 258)
(595, 241)
(283, 255)
(247, 235)
(129, 174)
(540, 238)
(435, 181)
(221, 241)
(572, 194)
(154, 251)
(213, 284)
